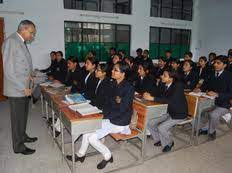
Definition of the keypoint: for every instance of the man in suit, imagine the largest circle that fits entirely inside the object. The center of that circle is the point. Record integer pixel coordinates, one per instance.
(17, 66)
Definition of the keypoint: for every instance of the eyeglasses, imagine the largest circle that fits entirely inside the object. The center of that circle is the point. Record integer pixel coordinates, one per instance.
(116, 70)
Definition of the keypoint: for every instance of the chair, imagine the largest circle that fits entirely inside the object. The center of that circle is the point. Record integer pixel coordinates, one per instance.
(192, 102)
(138, 132)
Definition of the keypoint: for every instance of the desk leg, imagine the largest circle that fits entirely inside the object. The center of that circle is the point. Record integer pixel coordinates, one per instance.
(62, 137)
(42, 104)
(46, 109)
(73, 155)
(198, 126)
(53, 124)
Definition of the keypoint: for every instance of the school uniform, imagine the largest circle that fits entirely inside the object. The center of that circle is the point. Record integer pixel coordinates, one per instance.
(103, 93)
(132, 76)
(146, 84)
(190, 80)
(177, 111)
(117, 118)
(50, 68)
(169, 61)
(90, 85)
(60, 71)
(158, 72)
(221, 83)
(75, 79)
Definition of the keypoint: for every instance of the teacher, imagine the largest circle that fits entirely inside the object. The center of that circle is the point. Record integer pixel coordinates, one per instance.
(17, 66)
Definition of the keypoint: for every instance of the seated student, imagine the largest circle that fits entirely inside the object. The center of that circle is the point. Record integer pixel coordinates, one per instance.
(103, 89)
(117, 117)
(90, 79)
(173, 95)
(145, 82)
(139, 56)
(218, 85)
(169, 58)
(132, 74)
(211, 58)
(122, 53)
(229, 67)
(75, 76)
(52, 65)
(190, 77)
(112, 52)
(147, 59)
(116, 58)
(59, 72)
(202, 70)
(161, 67)
(188, 56)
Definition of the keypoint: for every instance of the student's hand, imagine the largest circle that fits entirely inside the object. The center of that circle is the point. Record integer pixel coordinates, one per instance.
(50, 77)
(27, 92)
(213, 94)
(197, 90)
(147, 96)
(56, 81)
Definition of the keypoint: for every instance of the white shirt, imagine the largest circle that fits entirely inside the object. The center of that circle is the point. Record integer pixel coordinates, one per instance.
(168, 85)
(20, 36)
(97, 85)
(219, 73)
(87, 77)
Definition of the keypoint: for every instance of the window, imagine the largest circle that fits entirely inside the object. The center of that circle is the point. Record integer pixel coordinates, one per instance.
(110, 6)
(175, 9)
(162, 39)
(81, 37)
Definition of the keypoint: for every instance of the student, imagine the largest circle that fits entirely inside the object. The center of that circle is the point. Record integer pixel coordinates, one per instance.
(116, 118)
(75, 76)
(139, 56)
(132, 74)
(219, 85)
(168, 56)
(202, 70)
(103, 89)
(145, 81)
(112, 52)
(211, 58)
(116, 58)
(52, 65)
(147, 59)
(59, 72)
(188, 56)
(90, 79)
(122, 53)
(229, 67)
(173, 95)
(190, 77)
(161, 67)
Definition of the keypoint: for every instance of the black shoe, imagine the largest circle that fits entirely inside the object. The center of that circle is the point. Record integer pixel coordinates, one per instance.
(202, 132)
(31, 139)
(34, 100)
(157, 144)
(26, 151)
(104, 162)
(57, 133)
(168, 148)
(77, 158)
(212, 136)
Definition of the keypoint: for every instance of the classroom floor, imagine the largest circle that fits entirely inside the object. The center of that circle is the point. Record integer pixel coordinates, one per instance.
(210, 157)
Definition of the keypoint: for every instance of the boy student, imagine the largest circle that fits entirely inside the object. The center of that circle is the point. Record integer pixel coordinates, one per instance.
(173, 95)
(117, 116)
(219, 85)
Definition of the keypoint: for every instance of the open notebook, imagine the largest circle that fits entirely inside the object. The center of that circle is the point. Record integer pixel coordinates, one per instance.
(85, 109)
(201, 94)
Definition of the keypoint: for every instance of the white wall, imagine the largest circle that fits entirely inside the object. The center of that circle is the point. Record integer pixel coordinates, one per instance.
(49, 17)
(212, 27)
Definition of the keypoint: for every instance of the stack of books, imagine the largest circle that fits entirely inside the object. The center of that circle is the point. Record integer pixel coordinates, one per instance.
(85, 109)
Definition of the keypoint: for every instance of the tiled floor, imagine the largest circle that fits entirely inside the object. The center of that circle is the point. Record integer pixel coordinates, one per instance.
(212, 157)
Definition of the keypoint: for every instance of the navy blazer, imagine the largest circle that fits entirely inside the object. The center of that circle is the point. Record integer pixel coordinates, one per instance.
(75, 79)
(60, 71)
(120, 107)
(190, 80)
(90, 86)
(175, 98)
(221, 85)
(102, 94)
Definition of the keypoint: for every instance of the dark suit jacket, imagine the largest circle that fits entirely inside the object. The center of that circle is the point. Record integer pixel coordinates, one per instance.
(204, 73)
(190, 80)
(120, 108)
(60, 71)
(102, 94)
(90, 86)
(175, 98)
(221, 85)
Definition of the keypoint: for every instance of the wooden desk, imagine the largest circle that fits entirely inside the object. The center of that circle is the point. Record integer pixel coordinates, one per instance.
(75, 123)
(147, 111)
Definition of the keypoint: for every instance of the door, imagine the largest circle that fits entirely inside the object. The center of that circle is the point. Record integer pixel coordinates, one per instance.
(1, 64)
